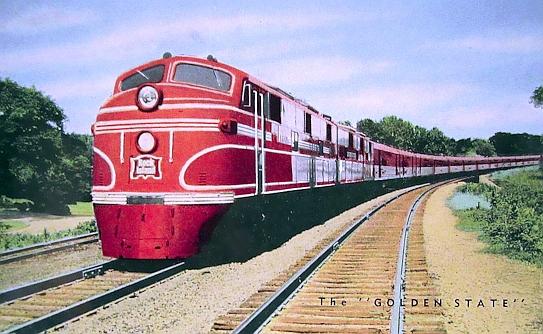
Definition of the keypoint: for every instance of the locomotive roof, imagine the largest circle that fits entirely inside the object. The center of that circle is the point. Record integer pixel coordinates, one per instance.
(213, 62)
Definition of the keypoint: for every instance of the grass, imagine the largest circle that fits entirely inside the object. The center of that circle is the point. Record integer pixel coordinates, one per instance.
(470, 220)
(13, 225)
(502, 174)
(16, 240)
(81, 209)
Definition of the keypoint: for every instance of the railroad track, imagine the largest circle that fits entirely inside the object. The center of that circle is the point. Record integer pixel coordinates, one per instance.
(354, 284)
(47, 247)
(38, 306)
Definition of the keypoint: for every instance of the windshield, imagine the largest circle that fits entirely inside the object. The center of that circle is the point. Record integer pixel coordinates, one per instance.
(151, 74)
(203, 76)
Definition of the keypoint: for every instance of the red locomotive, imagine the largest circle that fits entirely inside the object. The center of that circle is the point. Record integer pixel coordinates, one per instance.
(183, 139)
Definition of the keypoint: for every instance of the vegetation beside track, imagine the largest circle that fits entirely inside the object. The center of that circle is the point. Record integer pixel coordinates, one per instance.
(513, 225)
(81, 209)
(12, 225)
(16, 240)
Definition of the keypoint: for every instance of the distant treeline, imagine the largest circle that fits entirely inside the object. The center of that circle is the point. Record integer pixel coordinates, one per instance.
(402, 134)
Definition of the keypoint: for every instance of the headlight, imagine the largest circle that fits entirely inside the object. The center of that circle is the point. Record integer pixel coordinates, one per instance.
(148, 98)
(146, 142)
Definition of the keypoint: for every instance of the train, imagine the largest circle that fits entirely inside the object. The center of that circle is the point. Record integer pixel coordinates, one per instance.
(182, 140)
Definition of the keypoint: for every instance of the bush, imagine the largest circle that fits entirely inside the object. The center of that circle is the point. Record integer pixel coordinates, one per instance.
(16, 240)
(479, 189)
(514, 225)
(471, 220)
(20, 204)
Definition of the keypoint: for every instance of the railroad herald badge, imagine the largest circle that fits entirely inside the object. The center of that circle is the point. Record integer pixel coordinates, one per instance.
(145, 166)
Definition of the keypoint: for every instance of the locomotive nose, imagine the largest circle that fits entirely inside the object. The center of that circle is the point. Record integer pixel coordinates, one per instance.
(154, 231)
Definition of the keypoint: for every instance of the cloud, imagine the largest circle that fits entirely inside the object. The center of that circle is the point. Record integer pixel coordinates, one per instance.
(450, 107)
(511, 113)
(273, 49)
(44, 19)
(145, 39)
(502, 43)
(310, 71)
(99, 87)
(404, 100)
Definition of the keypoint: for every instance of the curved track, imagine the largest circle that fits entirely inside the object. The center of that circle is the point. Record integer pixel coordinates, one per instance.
(349, 286)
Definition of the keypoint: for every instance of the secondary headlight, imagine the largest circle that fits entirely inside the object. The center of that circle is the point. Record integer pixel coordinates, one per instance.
(146, 142)
(148, 98)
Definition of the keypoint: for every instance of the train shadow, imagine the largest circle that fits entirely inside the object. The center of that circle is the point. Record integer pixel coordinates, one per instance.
(263, 223)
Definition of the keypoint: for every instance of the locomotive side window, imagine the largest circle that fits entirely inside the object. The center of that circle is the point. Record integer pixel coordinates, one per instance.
(275, 108)
(351, 140)
(307, 123)
(203, 76)
(151, 74)
(328, 132)
(343, 138)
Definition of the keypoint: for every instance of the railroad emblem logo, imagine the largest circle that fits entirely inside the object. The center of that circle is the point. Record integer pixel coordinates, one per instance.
(145, 166)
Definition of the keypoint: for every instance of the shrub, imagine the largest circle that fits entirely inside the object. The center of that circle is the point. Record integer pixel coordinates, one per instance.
(514, 225)
(16, 240)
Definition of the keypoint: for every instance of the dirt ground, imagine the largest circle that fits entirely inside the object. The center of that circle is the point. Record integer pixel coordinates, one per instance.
(38, 222)
(464, 271)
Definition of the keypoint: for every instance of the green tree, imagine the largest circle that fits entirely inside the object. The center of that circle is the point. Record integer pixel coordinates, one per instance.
(537, 97)
(439, 144)
(346, 123)
(370, 128)
(483, 147)
(397, 132)
(464, 147)
(402, 134)
(77, 161)
(419, 143)
(516, 143)
(33, 163)
(469, 147)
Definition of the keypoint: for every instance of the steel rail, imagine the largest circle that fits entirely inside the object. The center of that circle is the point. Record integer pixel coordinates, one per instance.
(82, 307)
(261, 316)
(397, 318)
(42, 248)
(48, 283)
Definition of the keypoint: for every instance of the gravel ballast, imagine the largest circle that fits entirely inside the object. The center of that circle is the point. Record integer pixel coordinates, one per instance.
(43, 266)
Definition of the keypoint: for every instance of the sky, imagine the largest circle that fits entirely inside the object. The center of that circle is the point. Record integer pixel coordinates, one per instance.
(466, 67)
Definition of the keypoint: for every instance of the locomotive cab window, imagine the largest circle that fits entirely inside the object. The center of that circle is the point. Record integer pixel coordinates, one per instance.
(246, 95)
(351, 140)
(203, 76)
(152, 74)
(254, 99)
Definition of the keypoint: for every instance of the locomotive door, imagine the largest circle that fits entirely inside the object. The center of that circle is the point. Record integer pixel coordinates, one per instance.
(312, 172)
